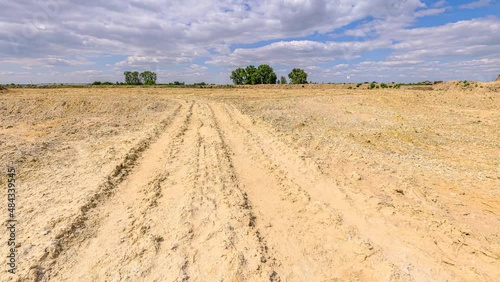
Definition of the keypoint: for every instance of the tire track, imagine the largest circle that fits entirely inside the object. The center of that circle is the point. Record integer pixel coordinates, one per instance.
(213, 236)
(301, 183)
(68, 241)
(179, 215)
(417, 250)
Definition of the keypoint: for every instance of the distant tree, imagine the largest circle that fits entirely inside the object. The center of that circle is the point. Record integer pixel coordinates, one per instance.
(283, 80)
(177, 83)
(96, 83)
(238, 76)
(298, 76)
(132, 78)
(128, 77)
(251, 75)
(148, 78)
(266, 75)
(136, 80)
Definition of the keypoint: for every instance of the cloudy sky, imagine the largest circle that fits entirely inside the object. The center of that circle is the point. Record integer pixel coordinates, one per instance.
(66, 41)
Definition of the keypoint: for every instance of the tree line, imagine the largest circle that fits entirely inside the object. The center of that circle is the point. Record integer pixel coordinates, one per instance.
(264, 74)
(143, 78)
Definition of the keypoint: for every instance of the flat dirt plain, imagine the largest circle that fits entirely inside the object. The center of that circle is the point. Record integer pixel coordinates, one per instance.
(253, 184)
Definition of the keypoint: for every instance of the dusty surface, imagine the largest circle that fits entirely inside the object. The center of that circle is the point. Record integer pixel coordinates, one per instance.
(313, 184)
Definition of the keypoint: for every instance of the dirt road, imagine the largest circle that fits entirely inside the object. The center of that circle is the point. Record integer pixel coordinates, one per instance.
(219, 192)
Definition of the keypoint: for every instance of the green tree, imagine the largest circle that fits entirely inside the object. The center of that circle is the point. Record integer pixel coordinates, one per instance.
(128, 77)
(136, 80)
(266, 75)
(148, 78)
(238, 76)
(251, 75)
(132, 78)
(283, 80)
(298, 76)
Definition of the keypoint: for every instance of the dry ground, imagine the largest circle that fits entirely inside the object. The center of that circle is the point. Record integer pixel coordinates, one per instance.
(254, 184)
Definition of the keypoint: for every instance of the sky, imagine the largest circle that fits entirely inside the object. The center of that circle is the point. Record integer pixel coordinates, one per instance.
(69, 41)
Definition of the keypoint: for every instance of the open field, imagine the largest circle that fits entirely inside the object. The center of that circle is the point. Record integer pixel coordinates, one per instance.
(254, 184)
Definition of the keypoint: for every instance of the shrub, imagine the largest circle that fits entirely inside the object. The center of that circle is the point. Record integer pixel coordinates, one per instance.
(383, 85)
(359, 84)
(373, 85)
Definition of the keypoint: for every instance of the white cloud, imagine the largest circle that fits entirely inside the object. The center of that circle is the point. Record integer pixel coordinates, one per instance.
(429, 12)
(298, 53)
(439, 3)
(476, 4)
(462, 39)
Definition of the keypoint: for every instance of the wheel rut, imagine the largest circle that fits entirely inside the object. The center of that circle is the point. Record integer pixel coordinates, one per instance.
(328, 225)
(180, 214)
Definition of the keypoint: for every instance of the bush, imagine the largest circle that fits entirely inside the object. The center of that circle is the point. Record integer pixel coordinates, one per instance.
(373, 85)
(383, 85)
(359, 84)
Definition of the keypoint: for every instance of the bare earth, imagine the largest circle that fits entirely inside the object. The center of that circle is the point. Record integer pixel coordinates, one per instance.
(253, 184)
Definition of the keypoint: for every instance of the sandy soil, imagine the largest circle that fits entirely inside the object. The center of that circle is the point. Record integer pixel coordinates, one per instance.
(254, 184)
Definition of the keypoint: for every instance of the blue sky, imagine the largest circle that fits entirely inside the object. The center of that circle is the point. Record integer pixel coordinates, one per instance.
(68, 41)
